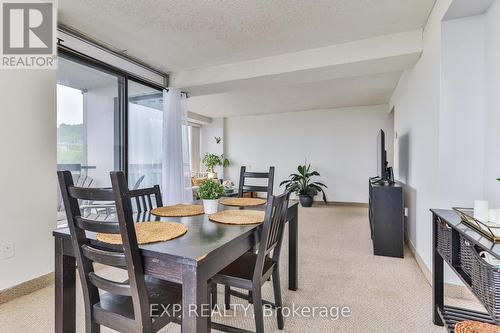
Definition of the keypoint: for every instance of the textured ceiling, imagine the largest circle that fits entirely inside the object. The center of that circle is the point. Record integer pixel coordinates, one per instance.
(179, 35)
(353, 91)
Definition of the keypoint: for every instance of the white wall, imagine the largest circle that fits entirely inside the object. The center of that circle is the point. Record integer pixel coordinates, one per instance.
(416, 101)
(208, 145)
(446, 111)
(28, 169)
(339, 143)
(492, 104)
(461, 118)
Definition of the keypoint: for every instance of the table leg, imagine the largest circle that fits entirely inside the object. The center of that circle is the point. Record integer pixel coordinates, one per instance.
(437, 276)
(293, 247)
(196, 307)
(65, 289)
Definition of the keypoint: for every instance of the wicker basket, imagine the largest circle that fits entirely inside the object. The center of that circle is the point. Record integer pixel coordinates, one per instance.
(470, 326)
(486, 285)
(444, 240)
(466, 256)
(197, 181)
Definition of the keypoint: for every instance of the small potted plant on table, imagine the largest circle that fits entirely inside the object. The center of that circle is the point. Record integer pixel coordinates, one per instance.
(301, 184)
(211, 161)
(210, 191)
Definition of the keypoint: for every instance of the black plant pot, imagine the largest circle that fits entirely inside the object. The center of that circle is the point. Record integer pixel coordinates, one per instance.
(306, 200)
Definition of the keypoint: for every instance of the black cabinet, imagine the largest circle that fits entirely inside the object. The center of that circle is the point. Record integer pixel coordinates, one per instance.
(386, 215)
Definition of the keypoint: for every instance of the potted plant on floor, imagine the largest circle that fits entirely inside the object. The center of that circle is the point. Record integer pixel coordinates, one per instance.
(302, 185)
(210, 161)
(210, 191)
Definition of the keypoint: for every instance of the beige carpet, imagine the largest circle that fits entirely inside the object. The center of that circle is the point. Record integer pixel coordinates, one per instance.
(337, 269)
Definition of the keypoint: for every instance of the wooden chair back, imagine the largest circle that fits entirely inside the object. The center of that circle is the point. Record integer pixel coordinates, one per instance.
(272, 231)
(123, 199)
(88, 252)
(244, 187)
(141, 198)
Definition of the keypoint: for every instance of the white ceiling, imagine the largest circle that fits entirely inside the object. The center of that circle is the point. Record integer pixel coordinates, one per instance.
(353, 91)
(463, 8)
(181, 35)
(81, 77)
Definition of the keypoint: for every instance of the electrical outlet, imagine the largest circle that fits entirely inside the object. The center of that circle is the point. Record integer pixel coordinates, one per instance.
(406, 211)
(7, 250)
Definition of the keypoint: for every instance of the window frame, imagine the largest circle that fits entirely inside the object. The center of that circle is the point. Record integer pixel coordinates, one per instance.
(122, 102)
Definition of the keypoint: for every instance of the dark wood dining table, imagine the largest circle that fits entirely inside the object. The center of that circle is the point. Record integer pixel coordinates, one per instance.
(190, 260)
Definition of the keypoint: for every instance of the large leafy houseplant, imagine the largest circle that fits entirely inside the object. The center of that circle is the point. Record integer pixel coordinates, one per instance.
(301, 183)
(210, 161)
(210, 191)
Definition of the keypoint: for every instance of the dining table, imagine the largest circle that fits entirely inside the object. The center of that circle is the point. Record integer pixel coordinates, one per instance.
(190, 260)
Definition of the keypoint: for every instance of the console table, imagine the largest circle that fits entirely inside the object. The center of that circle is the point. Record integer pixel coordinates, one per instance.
(458, 233)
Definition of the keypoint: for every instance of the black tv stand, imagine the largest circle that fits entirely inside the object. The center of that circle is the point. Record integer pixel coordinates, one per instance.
(386, 215)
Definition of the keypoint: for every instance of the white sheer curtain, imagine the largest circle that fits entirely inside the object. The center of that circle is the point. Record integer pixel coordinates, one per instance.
(176, 172)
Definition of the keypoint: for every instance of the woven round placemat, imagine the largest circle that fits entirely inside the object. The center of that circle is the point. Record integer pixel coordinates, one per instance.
(475, 327)
(242, 202)
(148, 232)
(238, 217)
(178, 210)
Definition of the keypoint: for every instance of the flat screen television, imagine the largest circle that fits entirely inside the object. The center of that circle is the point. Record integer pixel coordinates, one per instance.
(385, 175)
(381, 156)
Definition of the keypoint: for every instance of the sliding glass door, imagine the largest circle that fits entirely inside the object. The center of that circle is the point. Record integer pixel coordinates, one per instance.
(107, 120)
(88, 122)
(90, 127)
(145, 118)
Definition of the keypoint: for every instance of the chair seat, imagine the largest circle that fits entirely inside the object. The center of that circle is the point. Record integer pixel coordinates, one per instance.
(240, 272)
(162, 294)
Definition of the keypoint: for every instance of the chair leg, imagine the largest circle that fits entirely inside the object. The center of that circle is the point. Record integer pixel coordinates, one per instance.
(258, 311)
(213, 292)
(277, 298)
(227, 297)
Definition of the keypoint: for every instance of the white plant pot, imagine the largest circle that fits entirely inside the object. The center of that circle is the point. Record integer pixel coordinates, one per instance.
(211, 206)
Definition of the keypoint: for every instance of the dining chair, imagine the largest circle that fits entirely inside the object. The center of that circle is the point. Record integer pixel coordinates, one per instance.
(252, 270)
(121, 305)
(244, 187)
(109, 207)
(141, 199)
(81, 181)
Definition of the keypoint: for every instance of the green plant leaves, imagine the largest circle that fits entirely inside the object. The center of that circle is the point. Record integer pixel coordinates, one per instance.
(210, 189)
(212, 160)
(300, 183)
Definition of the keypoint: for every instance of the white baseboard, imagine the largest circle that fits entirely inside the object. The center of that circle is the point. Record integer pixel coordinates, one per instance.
(450, 289)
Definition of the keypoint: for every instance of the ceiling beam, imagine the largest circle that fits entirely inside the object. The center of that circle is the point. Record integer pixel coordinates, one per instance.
(369, 56)
(198, 118)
